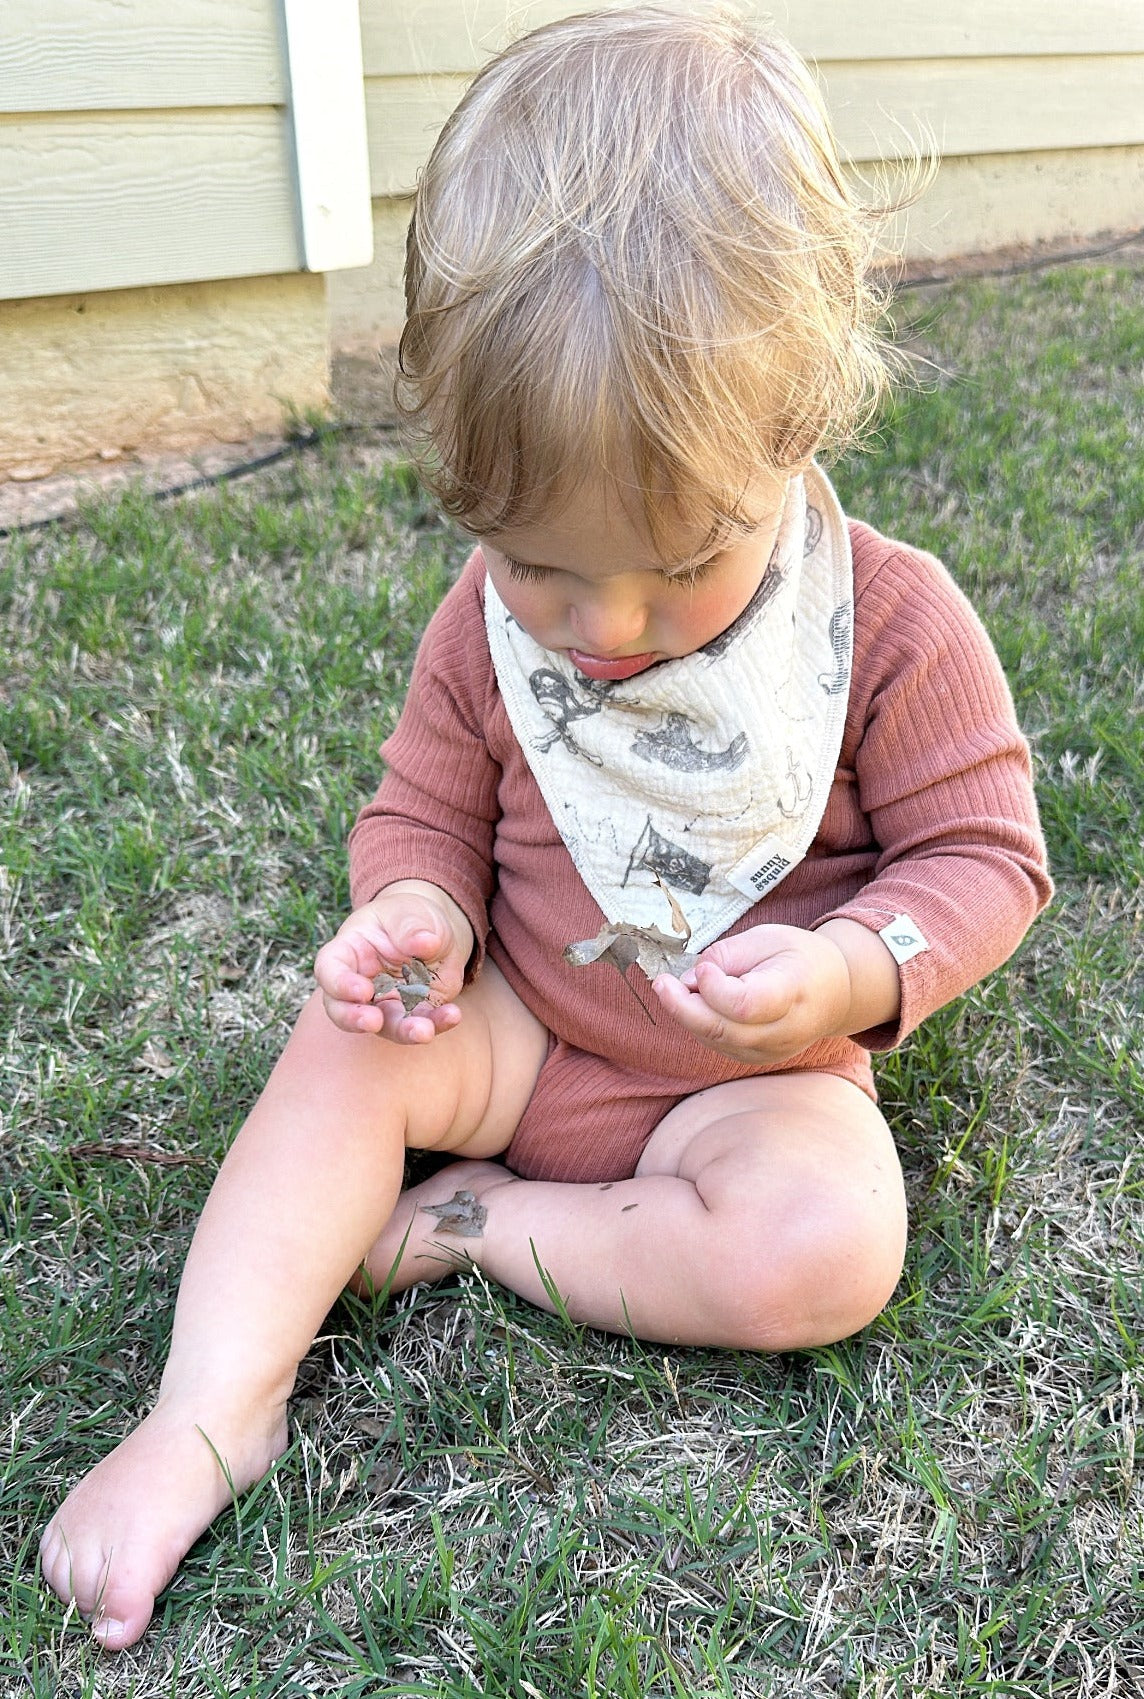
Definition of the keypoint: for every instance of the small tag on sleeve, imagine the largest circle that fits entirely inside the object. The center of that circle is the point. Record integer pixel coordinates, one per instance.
(903, 938)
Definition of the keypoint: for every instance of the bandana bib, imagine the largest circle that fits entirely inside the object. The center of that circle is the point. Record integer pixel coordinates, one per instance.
(709, 773)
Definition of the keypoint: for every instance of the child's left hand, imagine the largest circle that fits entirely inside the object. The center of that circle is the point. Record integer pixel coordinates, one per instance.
(763, 995)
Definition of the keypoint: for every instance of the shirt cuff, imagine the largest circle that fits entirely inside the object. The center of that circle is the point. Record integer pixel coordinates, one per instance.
(907, 943)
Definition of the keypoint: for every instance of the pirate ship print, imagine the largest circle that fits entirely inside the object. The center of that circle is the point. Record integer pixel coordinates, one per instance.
(654, 853)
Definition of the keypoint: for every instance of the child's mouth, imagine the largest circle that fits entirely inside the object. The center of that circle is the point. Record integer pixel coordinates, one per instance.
(596, 666)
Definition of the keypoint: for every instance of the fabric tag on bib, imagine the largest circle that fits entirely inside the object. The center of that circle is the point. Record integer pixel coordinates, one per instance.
(767, 863)
(903, 938)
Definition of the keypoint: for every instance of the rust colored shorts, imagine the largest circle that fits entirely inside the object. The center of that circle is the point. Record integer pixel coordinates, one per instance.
(589, 1119)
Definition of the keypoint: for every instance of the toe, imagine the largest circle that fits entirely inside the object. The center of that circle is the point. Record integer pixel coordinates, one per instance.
(127, 1602)
(75, 1576)
(116, 1600)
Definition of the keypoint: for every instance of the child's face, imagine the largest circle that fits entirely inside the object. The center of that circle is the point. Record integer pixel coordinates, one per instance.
(589, 583)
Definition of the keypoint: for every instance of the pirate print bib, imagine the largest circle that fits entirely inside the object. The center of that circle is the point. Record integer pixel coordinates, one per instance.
(709, 773)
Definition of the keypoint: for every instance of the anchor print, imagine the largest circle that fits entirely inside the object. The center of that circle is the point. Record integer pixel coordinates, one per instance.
(798, 787)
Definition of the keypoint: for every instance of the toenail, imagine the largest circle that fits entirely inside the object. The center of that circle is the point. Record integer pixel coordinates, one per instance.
(108, 1629)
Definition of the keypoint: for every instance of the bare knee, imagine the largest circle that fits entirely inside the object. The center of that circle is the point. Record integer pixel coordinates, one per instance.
(821, 1268)
(805, 1226)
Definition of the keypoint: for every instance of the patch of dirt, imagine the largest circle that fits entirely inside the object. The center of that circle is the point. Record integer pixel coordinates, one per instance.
(39, 500)
(362, 389)
(1120, 248)
(361, 381)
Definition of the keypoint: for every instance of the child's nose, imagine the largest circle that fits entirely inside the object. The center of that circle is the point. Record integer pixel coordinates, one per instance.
(607, 623)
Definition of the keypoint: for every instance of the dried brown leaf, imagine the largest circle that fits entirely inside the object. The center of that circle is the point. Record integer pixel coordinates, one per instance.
(623, 945)
(413, 985)
(462, 1215)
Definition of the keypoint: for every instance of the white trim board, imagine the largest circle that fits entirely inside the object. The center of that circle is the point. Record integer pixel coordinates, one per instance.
(327, 111)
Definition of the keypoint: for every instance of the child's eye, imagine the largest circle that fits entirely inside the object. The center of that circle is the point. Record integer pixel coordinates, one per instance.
(689, 575)
(526, 574)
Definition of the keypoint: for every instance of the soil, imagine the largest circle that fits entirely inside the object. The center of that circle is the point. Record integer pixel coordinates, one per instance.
(361, 388)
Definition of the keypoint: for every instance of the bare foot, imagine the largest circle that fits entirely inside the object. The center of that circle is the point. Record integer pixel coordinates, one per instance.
(435, 1228)
(120, 1535)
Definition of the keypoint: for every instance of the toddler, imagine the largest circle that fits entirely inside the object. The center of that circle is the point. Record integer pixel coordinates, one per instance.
(676, 702)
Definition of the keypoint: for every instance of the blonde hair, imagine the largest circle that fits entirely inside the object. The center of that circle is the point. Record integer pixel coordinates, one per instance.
(634, 253)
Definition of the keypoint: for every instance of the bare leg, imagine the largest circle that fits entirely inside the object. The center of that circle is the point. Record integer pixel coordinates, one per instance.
(765, 1214)
(299, 1199)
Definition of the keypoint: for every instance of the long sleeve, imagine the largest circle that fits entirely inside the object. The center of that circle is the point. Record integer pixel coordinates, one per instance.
(931, 814)
(943, 776)
(435, 812)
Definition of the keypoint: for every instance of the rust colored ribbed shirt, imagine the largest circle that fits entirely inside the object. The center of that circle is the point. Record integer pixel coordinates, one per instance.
(931, 814)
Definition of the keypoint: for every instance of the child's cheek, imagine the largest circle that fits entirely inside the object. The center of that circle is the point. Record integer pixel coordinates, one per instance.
(711, 611)
(525, 602)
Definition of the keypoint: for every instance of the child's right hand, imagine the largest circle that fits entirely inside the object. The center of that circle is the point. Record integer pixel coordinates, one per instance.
(409, 919)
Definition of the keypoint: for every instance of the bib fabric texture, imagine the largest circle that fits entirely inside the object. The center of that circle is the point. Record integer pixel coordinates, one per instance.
(709, 773)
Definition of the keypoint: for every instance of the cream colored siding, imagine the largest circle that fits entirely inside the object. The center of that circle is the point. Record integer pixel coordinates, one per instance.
(144, 143)
(985, 29)
(964, 106)
(403, 115)
(92, 55)
(977, 106)
(1036, 108)
(456, 35)
(149, 143)
(151, 198)
(167, 170)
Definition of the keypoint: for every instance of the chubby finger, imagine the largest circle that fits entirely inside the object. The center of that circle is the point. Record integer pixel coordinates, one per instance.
(722, 1011)
(739, 952)
(429, 943)
(347, 965)
(420, 1027)
(353, 1016)
(340, 978)
(701, 1020)
(756, 998)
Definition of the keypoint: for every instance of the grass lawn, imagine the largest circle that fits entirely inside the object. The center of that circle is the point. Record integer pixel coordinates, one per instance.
(478, 1498)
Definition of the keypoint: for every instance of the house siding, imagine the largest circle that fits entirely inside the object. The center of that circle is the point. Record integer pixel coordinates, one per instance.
(153, 227)
(142, 144)
(1035, 109)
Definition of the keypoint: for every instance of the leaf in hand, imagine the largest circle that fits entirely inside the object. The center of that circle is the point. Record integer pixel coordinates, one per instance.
(413, 985)
(679, 921)
(655, 951)
(621, 945)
